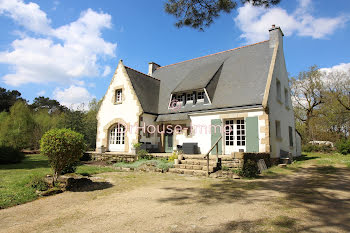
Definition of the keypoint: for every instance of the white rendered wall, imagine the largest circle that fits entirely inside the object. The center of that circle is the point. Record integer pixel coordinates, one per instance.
(279, 111)
(202, 124)
(128, 111)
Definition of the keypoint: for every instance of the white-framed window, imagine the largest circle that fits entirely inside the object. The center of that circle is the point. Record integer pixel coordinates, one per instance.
(240, 133)
(200, 95)
(278, 129)
(278, 86)
(235, 133)
(179, 98)
(117, 135)
(286, 97)
(189, 97)
(118, 96)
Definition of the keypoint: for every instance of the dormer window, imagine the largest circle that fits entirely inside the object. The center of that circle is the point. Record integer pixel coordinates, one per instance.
(179, 98)
(118, 96)
(200, 95)
(189, 97)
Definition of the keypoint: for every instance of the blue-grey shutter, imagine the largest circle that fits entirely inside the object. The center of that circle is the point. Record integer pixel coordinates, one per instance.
(215, 135)
(252, 134)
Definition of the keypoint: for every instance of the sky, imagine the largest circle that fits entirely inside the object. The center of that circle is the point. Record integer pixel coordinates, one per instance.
(68, 50)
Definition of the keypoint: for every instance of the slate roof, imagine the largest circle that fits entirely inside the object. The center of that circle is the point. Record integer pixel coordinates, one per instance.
(233, 79)
(241, 76)
(146, 88)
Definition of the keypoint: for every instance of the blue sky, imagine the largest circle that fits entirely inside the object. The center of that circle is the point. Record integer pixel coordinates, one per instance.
(68, 50)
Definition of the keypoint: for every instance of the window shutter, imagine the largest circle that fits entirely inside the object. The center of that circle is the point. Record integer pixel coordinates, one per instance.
(215, 135)
(194, 97)
(252, 134)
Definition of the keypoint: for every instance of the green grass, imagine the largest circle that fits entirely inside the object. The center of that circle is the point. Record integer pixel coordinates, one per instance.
(159, 163)
(14, 179)
(325, 163)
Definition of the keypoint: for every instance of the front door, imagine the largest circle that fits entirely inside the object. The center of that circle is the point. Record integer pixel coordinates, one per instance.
(235, 138)
(168, 142)
(117, 138)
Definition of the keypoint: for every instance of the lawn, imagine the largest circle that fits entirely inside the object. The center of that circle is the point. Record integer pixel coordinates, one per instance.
(325, 163)
(14, 179)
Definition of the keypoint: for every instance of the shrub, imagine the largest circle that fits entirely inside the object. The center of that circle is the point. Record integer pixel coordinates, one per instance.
(143, 154)
(10, 155)
(70, 168)
(250, 169)
(38, 183)
(343, 146)
(63, 147)
(317, 148)
(173, 157)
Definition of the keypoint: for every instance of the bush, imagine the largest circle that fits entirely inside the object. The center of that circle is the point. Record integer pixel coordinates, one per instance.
(173, 157)
(63, 147)
(250, 169)
(10, 155)
(317, 148)
(343, 146)
(143, 154)
(70, 168)
(39, 183)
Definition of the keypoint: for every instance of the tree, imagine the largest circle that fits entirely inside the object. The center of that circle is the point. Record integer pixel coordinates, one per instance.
(17, 127)
(63, 147)
(201, 13)
(8, 98)
(90, 123)
(44, 121)
(308, 94)
(46, 103)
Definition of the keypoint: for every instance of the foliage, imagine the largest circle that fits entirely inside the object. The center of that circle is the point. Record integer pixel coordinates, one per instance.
(8, 99)
(38, 183)
(48, 104)
(17, 126)
(70, 168)
(343, 146)
(136, 145)
(159, 163)
(316, 148)
(201, 13)
(10, 155)
(250, 169)
(63, 147)
(143, 154)
(14, 178)
(321, 104)
(172, 157)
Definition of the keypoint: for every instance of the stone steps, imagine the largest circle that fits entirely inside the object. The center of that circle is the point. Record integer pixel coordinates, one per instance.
(188, 172)
(194, 167)
(198, 162)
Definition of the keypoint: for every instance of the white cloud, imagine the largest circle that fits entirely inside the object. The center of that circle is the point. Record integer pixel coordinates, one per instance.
(342, 67)
(107, 71)
(254, 22)
(73, 97)
(41, 93)
(63, 54)
(27, 15)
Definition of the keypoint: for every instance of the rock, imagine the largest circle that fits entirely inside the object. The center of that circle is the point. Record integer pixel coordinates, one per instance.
(51, 191)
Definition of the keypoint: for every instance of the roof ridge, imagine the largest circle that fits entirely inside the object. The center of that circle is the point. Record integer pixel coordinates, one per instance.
(213, 54)
(141, 73)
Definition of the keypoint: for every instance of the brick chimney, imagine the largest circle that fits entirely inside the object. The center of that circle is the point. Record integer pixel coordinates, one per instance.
(152, 66)
(276, 35)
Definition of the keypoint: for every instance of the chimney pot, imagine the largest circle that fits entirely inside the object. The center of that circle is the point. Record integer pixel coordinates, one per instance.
(152, 66)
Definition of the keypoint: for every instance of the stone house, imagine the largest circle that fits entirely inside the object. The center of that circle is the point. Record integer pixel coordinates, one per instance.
(238, 99)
